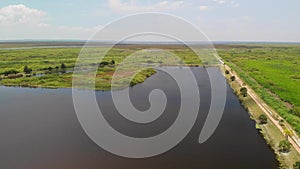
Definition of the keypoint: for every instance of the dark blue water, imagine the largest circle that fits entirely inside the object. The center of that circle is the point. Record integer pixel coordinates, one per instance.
(39, 130)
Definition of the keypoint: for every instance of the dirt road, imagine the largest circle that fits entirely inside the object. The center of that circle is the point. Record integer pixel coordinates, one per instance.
(264, 107)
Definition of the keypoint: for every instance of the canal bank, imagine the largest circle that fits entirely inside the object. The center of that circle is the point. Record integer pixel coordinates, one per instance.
(272, 132)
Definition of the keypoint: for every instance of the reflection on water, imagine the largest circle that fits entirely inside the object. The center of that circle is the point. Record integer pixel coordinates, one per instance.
(39, 129)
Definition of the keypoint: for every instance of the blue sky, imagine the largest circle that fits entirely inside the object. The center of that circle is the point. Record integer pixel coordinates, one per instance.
(242, 20)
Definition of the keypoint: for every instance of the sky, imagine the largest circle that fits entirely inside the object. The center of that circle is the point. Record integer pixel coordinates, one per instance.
(220, 20)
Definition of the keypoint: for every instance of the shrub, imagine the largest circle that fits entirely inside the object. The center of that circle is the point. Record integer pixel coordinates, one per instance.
(226, 72)
(263, 119)
(63, 66)
(104, 63)
(297, 165)
(27, 70)
(281, 122)
(284, 146)
(244, 91)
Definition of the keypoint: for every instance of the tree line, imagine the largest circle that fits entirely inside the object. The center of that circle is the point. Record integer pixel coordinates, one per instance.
(28, 70)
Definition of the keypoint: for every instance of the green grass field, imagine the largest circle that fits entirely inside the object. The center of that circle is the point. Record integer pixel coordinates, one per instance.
(46, 65)
(273, 71)
(269, 131)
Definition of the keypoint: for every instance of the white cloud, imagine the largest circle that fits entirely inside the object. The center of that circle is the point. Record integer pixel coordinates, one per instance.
(43, 25)
(221, 1)
(213, 4)
(20, 14)
(77, 28)
(132, 6)
(204, 7)
(22, 22)
(227, 2)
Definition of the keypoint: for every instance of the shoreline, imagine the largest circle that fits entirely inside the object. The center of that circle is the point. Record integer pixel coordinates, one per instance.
(145, 75)
(270, 134)
(270, 131)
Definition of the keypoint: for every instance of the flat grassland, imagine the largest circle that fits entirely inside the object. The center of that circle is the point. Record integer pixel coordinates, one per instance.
(273, 72)
(270, 132)
(47, 70)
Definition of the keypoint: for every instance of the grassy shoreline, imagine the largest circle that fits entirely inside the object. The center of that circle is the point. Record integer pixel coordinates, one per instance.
(253, 63)
(140, 77)
(276, 103)
(269, 131)
(272, 71)
(48, 62)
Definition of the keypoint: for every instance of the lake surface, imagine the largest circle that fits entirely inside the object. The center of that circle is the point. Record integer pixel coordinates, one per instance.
(39, 130)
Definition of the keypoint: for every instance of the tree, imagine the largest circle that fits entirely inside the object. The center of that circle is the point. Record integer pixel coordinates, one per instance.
(281, 122)
(226, 72)
(263, 119)
(232, 78)
(284, 146)
(297, 165)
(288, 133)
(63, 66)
(27, 70)
(50, 68)
(104, 63)
(244, 91)
(112, 62)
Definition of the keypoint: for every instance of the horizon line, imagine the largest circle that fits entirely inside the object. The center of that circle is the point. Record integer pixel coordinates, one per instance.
(145, 42)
